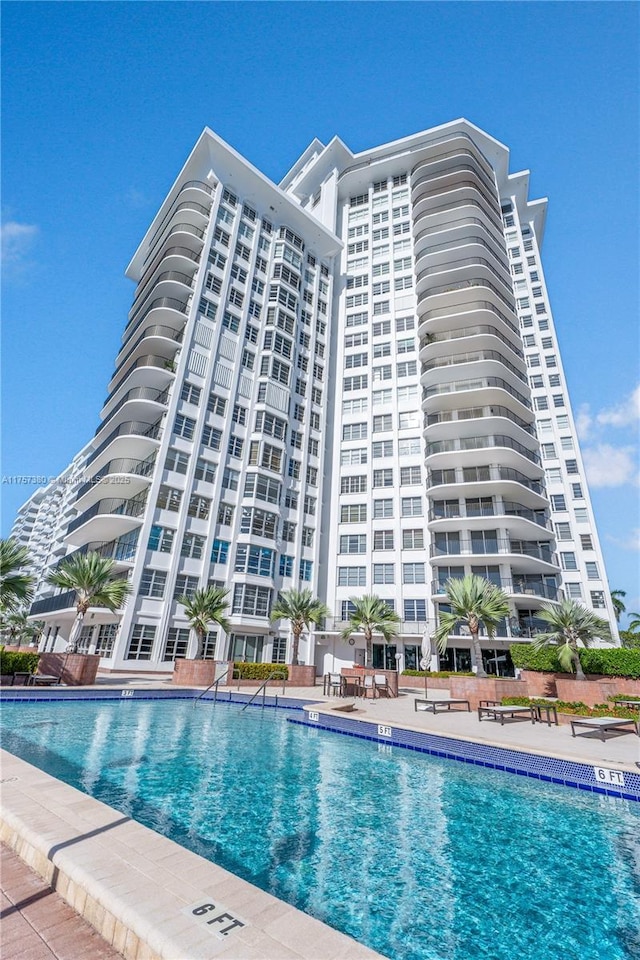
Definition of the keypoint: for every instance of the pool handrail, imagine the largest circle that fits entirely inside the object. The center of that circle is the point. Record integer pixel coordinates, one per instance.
(214, 684)
(262, 687)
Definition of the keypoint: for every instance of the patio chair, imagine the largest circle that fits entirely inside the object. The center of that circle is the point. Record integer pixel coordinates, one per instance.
(380, 682)
(368, 683)
(334, 682)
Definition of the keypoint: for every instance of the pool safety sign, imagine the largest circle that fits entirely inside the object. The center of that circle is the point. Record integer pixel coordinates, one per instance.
(609, 776)
(216, 917)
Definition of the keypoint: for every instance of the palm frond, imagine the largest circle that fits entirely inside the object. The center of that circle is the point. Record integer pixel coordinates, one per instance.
(91, 577)
(371, 614)
(16, 587)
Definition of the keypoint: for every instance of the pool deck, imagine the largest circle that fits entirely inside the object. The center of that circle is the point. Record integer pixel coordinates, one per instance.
(147, 896)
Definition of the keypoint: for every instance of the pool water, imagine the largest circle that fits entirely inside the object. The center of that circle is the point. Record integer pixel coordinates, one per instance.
(417, 857)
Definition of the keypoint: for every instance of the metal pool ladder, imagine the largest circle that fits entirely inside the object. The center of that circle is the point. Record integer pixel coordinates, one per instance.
(262, 688)
(214, 684)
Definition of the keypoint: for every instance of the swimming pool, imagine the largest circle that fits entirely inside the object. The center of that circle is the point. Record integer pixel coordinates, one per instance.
(420, 858)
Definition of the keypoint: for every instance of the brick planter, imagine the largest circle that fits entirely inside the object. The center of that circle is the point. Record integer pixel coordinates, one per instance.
(75, 669)
(475, 689)
(417, 683)
(301, 675)
(594, 689)
(194, 673)
(540, 684)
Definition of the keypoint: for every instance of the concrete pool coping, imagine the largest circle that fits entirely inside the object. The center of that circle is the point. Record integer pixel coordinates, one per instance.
(139, 889)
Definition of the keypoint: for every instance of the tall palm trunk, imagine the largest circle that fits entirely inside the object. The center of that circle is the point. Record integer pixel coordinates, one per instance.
(200, 648)
(368, 658)
(476, 654)
(576, 659)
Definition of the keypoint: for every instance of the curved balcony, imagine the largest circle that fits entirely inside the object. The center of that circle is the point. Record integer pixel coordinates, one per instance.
(151, 371)
(484, 546)
(106, 518)
(134, 475)
(428, 192)
(191, 212)
(476, 413)
(439, 340)
(176, 257)
(442, 253)
(446, 172)
(462, 288)
(122, 551)
(446, 515)
(444, 226)
(439, 320)
(465, 444)
(184, 232)
(476, 357)
(164, 360)
(138, 400)
(172, 283)
(469, 148)
(158, 338)
(464, 269)
(167, 309)
(132, 439)
(487, 480)
(441, 396)
(60, 601)
(518, 586)
(437, 216)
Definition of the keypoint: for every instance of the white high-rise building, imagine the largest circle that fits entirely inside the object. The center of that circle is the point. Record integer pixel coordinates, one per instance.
(349, 382)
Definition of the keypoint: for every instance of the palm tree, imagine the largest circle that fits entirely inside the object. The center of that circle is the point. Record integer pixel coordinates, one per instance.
(302, 609)
(91, 577)
(570, 624)
(15, 587)
(204, 608)
(474, 601)
(371, 615)
(618, 603)
(16, 627)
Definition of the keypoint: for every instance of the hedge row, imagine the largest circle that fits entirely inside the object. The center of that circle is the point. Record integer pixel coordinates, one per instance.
(606, 662)
(17, 662)
(259, 671)
(435, 673)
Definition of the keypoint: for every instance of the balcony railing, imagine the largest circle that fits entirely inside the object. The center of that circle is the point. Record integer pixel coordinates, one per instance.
(112, 506)
(480, 443)
(497, 545)
(176, 208)
(479, 413)
(468, 308)
(463, 241)
(131, 428)
(460, 264)
(482, 474)
(459, 334)
(518, 586)
(475, 282)
(173, 275)
(61, 601)
(140, 468)
(180, 306)
(449, 171)
(455, 512)
(481, 383)
(122, 550)
(136, 393)
(476, 357)
(149, 272)
(162, 363)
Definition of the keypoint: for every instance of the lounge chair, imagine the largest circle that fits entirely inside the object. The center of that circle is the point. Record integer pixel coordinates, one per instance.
(605, 723)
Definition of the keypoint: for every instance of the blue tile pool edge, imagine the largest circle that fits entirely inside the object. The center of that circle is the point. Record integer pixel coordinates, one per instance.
(579, 776)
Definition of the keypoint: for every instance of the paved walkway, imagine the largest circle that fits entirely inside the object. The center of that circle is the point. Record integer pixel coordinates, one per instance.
(37, 924)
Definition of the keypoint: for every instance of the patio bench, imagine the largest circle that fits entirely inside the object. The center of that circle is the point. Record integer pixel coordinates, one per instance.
(605, 723)
(433, 705)
(497, 711)
(44, 680)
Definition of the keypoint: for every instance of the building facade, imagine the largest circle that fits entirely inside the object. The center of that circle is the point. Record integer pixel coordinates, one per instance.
(349, 382)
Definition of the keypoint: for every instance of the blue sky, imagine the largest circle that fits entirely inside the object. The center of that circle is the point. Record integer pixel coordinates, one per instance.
(102, 102)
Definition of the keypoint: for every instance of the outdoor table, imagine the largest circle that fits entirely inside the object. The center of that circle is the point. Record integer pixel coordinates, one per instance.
(550, 712)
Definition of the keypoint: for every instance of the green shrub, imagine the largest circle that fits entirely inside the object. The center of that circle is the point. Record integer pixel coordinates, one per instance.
(18, 662)
(435, 673)
(612, 662)
(623, 696)
(526, 658)
(259, 671)
(605, 661)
